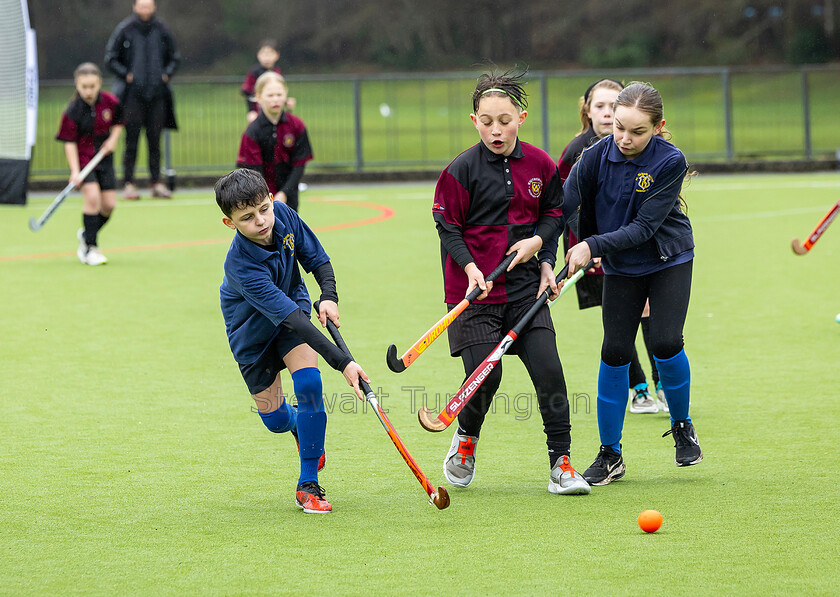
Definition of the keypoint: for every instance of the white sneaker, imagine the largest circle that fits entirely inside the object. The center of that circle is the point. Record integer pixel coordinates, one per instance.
(641, 401)
(94, 257)
(660, 398)
(566, 480)
(459, 464)
(81, 252)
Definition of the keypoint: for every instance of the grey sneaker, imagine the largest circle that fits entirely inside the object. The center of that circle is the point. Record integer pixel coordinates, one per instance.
(81, 252)
(641, 401)
(566, 480)
(459, 464)
(660, 398)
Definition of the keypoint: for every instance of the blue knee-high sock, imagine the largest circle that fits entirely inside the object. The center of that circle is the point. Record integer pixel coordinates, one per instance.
(281, 420)
(612, 402)
(311, 421)
(675, 375)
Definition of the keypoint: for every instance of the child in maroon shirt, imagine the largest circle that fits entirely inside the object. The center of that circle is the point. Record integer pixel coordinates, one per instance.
(91, 122)
(497, 197)
(276, 143)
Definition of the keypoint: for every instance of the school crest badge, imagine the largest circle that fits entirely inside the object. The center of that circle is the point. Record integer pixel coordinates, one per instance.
(288, 140)
(289, 241)
(535, 186)
(107, 115)
(643, 182)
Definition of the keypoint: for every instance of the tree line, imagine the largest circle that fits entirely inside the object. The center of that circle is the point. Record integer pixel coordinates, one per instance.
(219, 37)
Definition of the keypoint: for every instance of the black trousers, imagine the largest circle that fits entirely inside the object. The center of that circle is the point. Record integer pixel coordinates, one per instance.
(669, 291)
(149, 113)
(538, 352)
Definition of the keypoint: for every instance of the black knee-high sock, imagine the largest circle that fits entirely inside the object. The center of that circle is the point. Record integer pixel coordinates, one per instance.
(91, 223)
(654, 373)
(102, 220)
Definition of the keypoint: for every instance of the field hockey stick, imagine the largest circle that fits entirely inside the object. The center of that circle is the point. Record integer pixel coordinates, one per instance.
(441, 421)
(802, 249)
(439, 497)
(398, 365)
(36, 225)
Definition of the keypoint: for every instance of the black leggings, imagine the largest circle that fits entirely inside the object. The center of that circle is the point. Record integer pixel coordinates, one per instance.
(537, 349)
(624, 300)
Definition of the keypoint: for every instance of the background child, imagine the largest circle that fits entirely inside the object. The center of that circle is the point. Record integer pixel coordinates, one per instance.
(276, 143)
(92, 121)
(596, 117)
(500, 196)
(626, 190)
(266, 309)
(267, 57)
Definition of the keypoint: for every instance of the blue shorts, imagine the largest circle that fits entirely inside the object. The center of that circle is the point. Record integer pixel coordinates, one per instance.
(260, 374)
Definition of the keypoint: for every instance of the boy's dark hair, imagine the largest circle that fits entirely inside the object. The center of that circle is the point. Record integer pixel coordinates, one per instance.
(240, 189)
(508, 84)
(269, 43)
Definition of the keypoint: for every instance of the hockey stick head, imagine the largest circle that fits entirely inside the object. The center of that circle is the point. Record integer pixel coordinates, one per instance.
(797, 247)
(34, 226)
(395, 363)
(429, 421)
(440, 499)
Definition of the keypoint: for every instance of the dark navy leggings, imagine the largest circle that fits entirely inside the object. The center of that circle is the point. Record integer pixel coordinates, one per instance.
(624, 300)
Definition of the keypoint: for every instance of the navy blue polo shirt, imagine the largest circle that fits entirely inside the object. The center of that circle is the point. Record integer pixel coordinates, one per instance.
(630, 211)
(263, 286)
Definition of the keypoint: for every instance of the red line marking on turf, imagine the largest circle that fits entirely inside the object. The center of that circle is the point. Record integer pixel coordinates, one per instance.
(385, 213)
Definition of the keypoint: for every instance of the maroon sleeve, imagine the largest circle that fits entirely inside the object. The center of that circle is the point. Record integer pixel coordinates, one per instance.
(67, 131)
(302, 151)
(249, 155)
(248, 84)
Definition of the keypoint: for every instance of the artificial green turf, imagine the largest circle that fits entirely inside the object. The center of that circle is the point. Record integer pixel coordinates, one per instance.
(133, 463)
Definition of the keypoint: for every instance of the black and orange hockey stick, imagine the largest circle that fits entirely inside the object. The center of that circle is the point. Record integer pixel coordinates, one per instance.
(802, 249)
(398, 365)
(439, 497)
(441, 421)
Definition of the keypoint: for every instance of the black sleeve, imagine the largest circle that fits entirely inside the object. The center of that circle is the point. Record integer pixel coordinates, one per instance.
(301, 325)
(113, 52)
(452, 240)
(291, 184)
(325, 276)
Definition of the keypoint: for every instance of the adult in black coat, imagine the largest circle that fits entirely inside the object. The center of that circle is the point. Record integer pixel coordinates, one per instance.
(141, 52)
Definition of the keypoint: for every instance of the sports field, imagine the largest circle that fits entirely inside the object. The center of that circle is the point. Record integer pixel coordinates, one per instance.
(132, 462)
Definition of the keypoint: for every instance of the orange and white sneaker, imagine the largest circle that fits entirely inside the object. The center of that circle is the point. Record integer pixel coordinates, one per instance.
(566, 480)
(310, 497)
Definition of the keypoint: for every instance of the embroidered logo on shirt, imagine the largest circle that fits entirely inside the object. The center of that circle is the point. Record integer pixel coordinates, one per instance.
(643, 182)
(535, 187)
(107, 115)
(288, 140)
(289, 241)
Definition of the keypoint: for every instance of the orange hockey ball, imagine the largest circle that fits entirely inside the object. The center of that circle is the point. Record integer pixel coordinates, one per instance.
(650, 521)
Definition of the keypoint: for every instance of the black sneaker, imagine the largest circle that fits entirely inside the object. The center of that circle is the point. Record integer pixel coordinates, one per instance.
(686, 443)
(608, 467)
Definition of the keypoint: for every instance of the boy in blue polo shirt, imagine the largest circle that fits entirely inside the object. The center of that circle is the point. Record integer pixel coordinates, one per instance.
(266, 309)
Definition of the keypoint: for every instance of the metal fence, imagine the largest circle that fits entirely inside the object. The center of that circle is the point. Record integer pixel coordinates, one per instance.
(369, 123)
